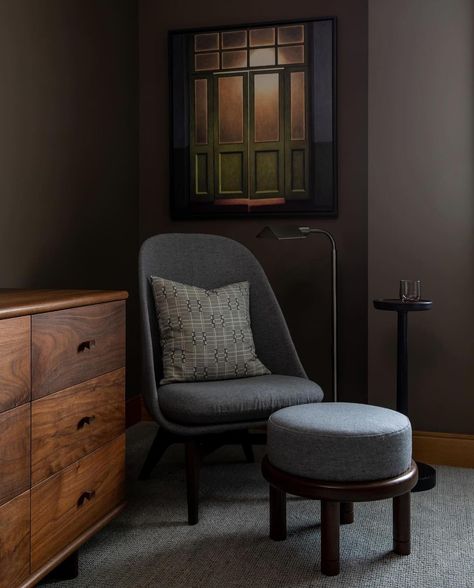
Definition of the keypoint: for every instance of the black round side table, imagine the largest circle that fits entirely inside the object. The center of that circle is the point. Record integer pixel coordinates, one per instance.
(426, 473)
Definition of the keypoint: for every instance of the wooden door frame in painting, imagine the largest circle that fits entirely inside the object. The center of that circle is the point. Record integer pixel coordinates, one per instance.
(180, 205)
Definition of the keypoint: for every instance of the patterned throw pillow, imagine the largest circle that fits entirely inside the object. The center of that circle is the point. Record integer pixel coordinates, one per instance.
(205, 334)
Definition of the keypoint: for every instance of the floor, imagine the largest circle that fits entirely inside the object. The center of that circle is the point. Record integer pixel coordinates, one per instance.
(150, 544)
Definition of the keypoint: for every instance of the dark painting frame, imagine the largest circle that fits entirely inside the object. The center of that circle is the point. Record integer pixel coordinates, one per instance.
(317, 193)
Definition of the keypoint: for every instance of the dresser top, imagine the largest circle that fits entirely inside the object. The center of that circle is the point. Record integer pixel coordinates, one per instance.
(22, 302)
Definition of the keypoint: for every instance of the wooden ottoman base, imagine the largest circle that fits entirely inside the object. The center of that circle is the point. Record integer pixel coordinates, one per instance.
(337, 500)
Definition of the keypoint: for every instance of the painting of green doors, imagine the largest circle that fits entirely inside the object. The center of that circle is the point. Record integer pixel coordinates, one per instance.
(253, 120)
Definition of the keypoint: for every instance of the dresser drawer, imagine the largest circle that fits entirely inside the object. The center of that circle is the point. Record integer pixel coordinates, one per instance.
(15, 541)
(14, 452)
(15, 381)
(71, 346)
(74, 499)
(68, 425)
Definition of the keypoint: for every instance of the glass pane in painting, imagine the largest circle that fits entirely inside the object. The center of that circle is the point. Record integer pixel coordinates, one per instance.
(290, 34)
(234, 39)
(259, 57)
(261, 37)
(231, 109)
(234, 59)
(267, 107)
(293, 54)
(206, 42)
(206, 61)
(200, 112)
(297, 106)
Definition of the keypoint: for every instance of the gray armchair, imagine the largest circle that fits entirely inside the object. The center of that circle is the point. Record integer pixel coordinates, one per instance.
(206, 415)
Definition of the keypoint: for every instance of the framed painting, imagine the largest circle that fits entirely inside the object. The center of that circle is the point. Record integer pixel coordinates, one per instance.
(253, 128)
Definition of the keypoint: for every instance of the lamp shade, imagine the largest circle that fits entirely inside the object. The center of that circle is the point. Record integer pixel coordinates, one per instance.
(281, 232)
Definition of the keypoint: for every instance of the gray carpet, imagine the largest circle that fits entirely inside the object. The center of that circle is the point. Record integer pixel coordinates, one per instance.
(150, 544)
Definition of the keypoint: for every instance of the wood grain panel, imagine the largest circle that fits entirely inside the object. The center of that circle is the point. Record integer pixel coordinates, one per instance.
(66, 504)
(15, 360)
(16, 302)
(14, 452)
(69, 424)
(71, 346)
(15, 541)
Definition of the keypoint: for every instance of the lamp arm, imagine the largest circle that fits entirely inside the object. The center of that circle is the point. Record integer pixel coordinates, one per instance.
(308, 231)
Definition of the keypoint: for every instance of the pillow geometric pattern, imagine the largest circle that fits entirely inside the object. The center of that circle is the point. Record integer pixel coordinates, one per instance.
(205, 334)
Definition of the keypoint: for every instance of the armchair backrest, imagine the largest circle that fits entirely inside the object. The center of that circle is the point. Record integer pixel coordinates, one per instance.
(210, 261)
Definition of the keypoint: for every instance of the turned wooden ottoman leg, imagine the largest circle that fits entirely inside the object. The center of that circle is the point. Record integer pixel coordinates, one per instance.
(330, 517)
(277, 514)
(347, 513)
(401, 524)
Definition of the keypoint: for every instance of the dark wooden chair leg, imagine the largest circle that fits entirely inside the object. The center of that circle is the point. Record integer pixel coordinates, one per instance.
(160, 444)
(193, 465)
(247, 447)
(277, 514)
(401, 524)
(330, 517)
(347, 513)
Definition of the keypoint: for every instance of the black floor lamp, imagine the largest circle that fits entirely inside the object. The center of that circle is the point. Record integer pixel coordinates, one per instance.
(293, 232)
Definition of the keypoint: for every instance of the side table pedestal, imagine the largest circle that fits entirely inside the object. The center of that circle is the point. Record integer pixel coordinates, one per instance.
(426, 473)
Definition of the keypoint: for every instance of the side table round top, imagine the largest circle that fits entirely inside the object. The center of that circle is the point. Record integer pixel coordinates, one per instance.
(400, 306)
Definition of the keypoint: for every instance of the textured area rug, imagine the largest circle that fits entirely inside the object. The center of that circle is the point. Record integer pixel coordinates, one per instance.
(150, 544)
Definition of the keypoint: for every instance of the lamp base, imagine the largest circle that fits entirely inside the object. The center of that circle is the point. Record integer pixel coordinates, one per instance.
(426, 477)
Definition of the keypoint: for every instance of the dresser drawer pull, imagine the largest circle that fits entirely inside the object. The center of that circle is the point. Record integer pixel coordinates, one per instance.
(87, 420)
(86, 346)
(88, 495)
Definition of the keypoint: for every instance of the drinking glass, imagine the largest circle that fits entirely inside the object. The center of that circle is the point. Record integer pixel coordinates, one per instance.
(410, 290)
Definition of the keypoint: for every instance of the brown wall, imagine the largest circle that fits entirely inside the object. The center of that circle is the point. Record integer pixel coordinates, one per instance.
(421, 202)
(69, 145)
(299, 271)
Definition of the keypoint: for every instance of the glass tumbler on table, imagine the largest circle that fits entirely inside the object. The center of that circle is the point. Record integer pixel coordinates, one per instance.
(410, 290)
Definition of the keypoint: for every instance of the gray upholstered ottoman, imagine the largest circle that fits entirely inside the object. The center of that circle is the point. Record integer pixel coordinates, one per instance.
(340, 453)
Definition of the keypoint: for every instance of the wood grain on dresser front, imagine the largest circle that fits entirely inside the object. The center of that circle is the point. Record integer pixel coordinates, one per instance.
(15, 541)
(14, 452)
(15, 380)
(71, 346)
(65, 505)
(69, 424)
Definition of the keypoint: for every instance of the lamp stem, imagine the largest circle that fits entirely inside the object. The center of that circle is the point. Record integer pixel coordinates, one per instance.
(306, 231)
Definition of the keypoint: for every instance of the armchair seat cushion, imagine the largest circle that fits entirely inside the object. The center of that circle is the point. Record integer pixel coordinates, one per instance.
(230, 401)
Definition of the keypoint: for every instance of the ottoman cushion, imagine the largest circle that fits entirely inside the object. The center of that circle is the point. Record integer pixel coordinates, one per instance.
(339, 442)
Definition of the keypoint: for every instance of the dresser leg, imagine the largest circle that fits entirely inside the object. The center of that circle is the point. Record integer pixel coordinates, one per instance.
(66, 570)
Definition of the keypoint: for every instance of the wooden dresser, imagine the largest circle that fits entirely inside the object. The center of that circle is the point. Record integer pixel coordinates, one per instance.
(62, 425)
